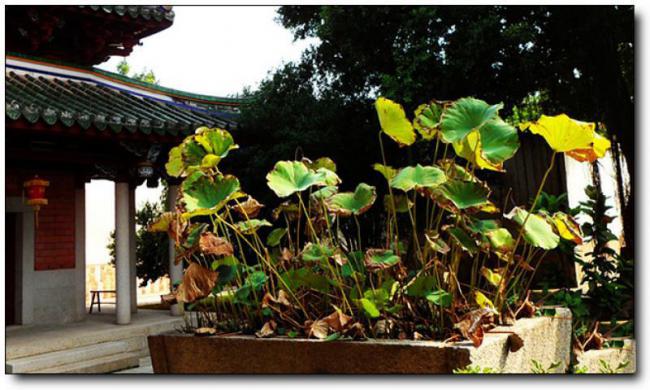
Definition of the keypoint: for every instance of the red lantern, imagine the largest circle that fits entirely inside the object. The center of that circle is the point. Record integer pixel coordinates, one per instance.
(35, 192)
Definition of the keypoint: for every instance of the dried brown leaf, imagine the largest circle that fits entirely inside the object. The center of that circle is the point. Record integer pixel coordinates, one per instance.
(210, 244)
(515, 342)
(268, 329)
(319, 329)
(337, 321)
(198, 282)
(249, 208)
(205, 331)
(470, 325)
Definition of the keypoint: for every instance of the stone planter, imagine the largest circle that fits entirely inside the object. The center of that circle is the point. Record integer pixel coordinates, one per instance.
(592, 361)
(546, 339)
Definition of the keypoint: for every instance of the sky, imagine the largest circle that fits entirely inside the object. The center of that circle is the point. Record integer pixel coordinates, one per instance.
(208, 50)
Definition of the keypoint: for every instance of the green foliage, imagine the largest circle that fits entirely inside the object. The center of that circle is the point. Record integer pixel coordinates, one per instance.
(538, 368)
(474, 370)
(151, 249)
(146, 75)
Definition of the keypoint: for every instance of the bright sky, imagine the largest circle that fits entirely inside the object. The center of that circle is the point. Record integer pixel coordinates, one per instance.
(209, 50)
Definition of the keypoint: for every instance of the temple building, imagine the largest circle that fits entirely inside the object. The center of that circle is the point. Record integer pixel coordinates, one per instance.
(68, 123)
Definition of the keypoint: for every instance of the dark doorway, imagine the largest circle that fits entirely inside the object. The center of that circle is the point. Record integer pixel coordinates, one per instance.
(11, 260)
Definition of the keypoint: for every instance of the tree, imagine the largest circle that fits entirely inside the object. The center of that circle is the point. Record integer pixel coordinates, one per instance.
(579, 58)
(151, 249)
(146, 75)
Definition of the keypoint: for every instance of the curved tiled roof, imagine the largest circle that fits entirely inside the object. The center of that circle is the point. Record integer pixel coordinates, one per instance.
(156, 12)
(92, 98)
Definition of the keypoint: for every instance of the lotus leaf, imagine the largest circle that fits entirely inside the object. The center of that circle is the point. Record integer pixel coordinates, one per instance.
(174, 165)
(369, 308)
(493, 277)
(418, 177)
(324, 193)
(427, 119)
(464, 194)
(436, 243)
(330, 178)
(386, 171)
(217, 142)
(250, 226)
(483, 301)
(204, 195)
(379, 259)
(317, 252)
(567, 227)
(393, 121)
(597, 150)
(273, 239)
(464, 116)
(562, 133)
(463, 239)
(288, 177)
(538, 232)
(439, 298)
(357, 202)
(501, 240)
(323, 162)
(421, 286)
(401, 201)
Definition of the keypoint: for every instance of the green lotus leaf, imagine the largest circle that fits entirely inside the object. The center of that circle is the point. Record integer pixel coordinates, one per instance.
(386, 171)
(323, 162)
(330, 178)
(357, 202)
(289, 177)
(463, 239)
(465, 115)
(427, 119)
(501, 240)
(379, 259)
(464, 194)
(251, 226)
(215, 141)
(317, 252)
(482, 226)
(369, 308)
(418, 177)
(436, 243)
(324, 193)
(401, 201)
(537, 231)
(421, 286)
(273, 239)
(439, 298)
(499, 141)
(393, 121)
(455, 171)
(306, 278)
(204, 195)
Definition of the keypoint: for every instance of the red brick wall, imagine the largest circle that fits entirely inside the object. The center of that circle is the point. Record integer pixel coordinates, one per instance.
(54, 246)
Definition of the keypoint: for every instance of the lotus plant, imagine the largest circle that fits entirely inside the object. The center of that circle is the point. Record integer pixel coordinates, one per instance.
(452, 263)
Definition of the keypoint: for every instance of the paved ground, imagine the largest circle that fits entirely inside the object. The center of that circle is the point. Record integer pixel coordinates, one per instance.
(35, 339)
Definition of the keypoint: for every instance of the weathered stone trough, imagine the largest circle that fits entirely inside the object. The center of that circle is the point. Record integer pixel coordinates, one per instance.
(546, 340)
(592, 360)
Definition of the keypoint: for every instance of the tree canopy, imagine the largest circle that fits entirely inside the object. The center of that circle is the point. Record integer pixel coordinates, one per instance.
(574, 59)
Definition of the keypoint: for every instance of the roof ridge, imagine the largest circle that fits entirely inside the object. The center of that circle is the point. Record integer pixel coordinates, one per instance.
(125, 79)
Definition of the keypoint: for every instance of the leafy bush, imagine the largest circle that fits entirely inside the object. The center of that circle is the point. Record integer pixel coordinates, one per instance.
(448, 263)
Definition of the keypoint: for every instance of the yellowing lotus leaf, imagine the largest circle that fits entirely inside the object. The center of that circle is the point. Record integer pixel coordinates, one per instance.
(494, 278)
(386, 171)
(427, 120)
(393, 121)
(537, 231)
(562, 133)
(483, 301)
(598, 149)
(470, 148)
(567, 227)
